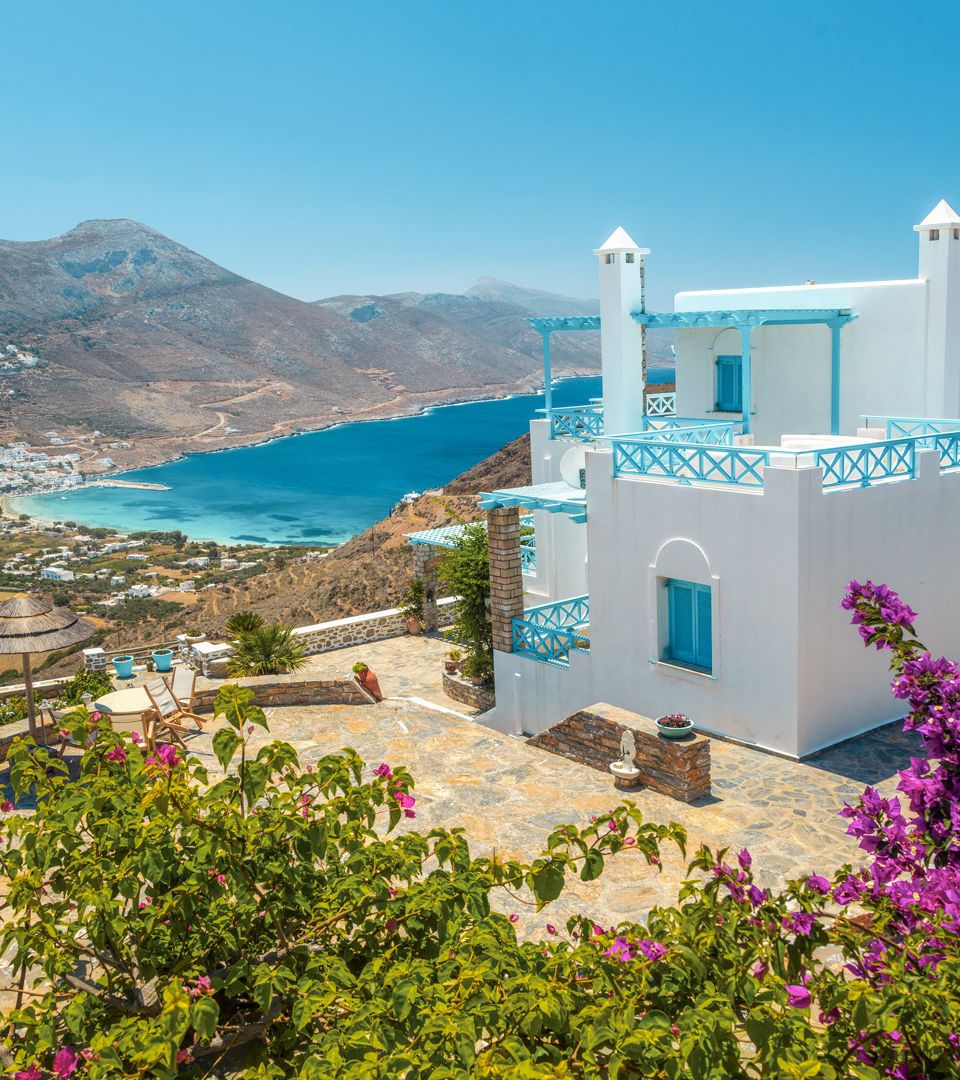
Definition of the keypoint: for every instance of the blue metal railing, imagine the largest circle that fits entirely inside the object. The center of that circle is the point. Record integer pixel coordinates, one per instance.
(528, 558)
(661, 404)
(548, 632)
(576, 422)
(660, 454)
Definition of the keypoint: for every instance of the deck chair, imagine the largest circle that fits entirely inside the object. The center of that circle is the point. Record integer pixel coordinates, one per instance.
(182, 682)
(170, 719)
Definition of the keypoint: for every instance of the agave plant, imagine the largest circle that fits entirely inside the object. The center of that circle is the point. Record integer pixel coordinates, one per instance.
(244, 622)
(266, 650)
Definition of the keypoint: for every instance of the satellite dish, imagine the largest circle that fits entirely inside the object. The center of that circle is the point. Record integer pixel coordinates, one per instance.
(573, 467)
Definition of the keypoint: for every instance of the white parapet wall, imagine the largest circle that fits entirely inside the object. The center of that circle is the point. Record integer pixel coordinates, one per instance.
(359, 629)
(789, 672)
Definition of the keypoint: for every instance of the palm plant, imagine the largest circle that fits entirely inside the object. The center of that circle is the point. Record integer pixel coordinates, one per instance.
(266, 650)
(243, 622)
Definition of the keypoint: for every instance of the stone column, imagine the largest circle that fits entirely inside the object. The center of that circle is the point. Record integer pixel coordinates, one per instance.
(425, 558)
(506, 581)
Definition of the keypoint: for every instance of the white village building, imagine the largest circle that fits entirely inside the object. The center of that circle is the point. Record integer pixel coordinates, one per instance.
(691, 550)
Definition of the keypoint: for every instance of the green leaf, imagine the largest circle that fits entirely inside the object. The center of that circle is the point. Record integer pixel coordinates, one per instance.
(547, 882)
(204, 1016)
(225, 744)
(592, 866)
(402, 993)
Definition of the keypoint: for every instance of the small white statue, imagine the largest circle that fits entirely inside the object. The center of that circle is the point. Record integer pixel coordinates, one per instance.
(628, 750)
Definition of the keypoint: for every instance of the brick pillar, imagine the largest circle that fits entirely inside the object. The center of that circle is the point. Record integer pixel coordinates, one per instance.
(506, 581)
(425, 569)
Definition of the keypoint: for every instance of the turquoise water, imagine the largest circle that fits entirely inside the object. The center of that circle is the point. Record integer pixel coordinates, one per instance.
(318, 488)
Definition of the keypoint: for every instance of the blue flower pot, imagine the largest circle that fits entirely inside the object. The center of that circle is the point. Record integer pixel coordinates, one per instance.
(124, 666)
(163, 659)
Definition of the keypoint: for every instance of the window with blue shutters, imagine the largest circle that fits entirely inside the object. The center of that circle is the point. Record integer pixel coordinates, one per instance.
(690, 624)
(729, 386)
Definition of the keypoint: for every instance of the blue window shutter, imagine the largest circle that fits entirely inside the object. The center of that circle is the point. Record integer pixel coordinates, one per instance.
(729, 396)
(704, 633)
(682, 645)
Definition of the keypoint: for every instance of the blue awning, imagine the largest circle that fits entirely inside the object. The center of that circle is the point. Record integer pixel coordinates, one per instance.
(688, 320)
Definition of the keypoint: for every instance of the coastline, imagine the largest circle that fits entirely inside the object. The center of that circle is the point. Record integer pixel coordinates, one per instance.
(116, 477)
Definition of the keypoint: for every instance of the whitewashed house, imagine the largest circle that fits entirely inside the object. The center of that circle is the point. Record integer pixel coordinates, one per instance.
(57, 573)
(691, 553)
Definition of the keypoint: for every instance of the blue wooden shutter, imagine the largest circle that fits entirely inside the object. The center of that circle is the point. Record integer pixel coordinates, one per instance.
(682, 645)
(729, 396)
(704, 634)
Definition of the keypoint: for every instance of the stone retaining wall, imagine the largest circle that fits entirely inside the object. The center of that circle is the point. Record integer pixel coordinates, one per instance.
(42, 689)
(679, 768)
(464, 691)
(361, 629)
(20, 729)
(281, 690)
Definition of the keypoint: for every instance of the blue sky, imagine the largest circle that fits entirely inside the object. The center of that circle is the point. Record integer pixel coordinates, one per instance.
(371, 147)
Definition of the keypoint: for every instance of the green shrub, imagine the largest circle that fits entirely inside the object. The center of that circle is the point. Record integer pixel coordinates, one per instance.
(243, 622)
(267, 650)
(94, 683)
(13, 709)
(465, 570)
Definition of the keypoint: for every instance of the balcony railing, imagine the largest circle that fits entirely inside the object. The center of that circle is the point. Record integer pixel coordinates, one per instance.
(706, 456)
(576, 422)
(661, 404)
(528, 558)
(549, 632)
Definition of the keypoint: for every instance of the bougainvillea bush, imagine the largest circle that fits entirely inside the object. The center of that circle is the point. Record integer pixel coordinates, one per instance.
(290, 921)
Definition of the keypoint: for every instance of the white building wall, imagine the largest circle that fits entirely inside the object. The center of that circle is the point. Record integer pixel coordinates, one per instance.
(882, 357)
(789, 671)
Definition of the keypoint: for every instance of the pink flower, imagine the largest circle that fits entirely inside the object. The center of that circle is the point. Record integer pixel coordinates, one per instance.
(818, 884)
(249, 729)
(136, 737)
(33, 1073)
(89, 1055)
(221, 879)
(629, 841)
(304, 799)
(165, 757)
(403, 798)
(743, 857)
(551, 929)
(798, 996)
(514, 917)
(116, 754)
(6, 806)
(204, 986)
(384, 770)
(65, 732)
(183, 1056)
(391, 925)
(66, 1061)
(760, 970)
(611, 826)
(95, 717)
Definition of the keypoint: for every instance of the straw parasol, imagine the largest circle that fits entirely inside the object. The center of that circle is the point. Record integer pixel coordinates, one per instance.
(31, 624)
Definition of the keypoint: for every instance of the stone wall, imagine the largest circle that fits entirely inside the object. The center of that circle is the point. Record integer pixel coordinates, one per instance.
(464, 691)
(281, 690)
(360, 629)
(679, 768)
(43, 689)
(20, 729)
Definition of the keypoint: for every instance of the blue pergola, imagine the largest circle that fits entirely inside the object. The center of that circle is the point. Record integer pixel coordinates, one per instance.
(746, 320)
(556, 498)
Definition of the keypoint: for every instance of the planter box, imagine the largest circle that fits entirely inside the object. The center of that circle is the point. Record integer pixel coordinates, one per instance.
(467, 693)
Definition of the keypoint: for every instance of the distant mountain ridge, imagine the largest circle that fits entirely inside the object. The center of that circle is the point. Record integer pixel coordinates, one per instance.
(148, 340)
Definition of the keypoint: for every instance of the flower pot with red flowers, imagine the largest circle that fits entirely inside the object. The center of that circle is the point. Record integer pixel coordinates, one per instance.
(674, 726)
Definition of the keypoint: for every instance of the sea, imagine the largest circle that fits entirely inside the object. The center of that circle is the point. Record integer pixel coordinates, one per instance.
(318, 488)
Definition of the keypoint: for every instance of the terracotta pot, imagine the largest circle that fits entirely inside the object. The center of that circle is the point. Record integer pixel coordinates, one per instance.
(414, 625)
(450, 667)
(369, 682)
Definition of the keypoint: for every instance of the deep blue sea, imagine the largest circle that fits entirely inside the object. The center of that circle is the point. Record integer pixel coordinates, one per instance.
(318, 488)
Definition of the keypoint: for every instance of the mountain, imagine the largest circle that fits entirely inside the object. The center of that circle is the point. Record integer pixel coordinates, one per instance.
(146, 340)
(535, 301)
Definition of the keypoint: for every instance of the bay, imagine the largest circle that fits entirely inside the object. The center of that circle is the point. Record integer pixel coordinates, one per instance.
(318, 488)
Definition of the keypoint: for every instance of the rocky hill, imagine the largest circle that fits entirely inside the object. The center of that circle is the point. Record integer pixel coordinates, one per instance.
(146, 340)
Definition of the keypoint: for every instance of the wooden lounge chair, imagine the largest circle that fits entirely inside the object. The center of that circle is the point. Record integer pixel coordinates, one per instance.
(170, 719)
(182, 682)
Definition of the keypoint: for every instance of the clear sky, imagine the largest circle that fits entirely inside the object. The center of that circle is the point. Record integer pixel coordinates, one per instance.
(374, 146)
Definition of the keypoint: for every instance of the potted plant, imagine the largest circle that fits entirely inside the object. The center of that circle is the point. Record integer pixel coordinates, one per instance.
(674, 726)
(123, 666)
(412, 609)
(192, 636)
(366, 678)
(162, 659)
(452, 662)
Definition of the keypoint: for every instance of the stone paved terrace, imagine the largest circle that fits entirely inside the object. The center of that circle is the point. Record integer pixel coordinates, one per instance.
(509, 794)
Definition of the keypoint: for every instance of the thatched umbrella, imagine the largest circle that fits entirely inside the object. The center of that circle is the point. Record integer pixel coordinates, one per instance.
(31, 624)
